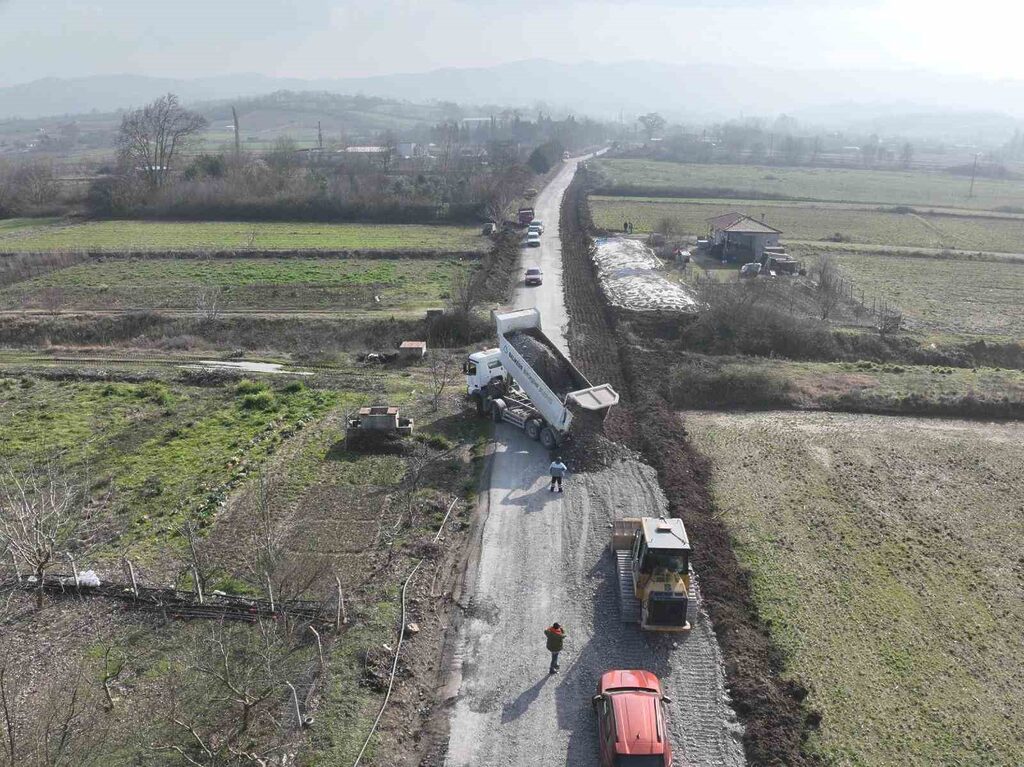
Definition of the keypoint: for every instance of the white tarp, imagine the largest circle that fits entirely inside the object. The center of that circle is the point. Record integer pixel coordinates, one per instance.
(631, 277)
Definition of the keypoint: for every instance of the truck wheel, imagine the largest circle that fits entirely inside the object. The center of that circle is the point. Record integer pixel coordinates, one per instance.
(532, 428)
(547, 438)
(497, 408)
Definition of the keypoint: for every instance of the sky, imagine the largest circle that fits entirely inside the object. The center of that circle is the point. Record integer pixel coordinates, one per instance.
(341, 38)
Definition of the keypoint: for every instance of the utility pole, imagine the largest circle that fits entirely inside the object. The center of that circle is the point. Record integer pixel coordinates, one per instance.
(238, 146)
(974, 172)
(319, 136)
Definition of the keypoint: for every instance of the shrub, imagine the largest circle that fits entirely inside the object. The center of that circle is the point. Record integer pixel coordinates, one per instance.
(294, 387)
(248, 386)
(155, 392)
(263, 400)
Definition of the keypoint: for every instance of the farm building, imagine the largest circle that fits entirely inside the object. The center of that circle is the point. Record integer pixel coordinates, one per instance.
(738, 237)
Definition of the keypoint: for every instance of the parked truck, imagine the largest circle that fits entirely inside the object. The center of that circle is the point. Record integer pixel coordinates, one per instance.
(525, 216)
(527, 382)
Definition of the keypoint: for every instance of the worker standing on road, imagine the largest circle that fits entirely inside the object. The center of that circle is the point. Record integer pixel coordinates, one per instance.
(556, 639)
(557, 470)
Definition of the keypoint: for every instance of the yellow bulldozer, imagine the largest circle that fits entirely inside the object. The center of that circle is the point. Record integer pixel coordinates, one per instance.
(652, 556)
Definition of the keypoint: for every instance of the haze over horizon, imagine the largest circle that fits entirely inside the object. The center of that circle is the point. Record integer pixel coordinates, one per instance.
(343, 39)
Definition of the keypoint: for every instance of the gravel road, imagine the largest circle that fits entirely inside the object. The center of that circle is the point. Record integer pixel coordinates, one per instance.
(544, 557)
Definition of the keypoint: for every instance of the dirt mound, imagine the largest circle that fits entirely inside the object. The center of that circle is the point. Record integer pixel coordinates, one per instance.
(549, 364)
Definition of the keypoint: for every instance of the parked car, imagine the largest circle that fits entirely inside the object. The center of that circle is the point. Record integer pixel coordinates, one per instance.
(534, 276)
(534, 230)
(631, 720)
(490, 228)
(750, 270)
(533, 240)
(537, 223)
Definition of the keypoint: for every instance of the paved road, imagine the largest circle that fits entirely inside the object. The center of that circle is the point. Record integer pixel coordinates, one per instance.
(544, 558)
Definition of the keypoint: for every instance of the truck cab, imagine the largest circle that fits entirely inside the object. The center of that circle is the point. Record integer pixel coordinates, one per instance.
(481, 368)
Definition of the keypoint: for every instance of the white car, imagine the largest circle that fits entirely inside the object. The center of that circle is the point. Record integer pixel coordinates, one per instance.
(537, 224)
(533, 240)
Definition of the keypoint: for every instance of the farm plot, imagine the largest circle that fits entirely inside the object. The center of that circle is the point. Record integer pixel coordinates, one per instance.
(920, 188)
(945, 294)
(885, 558)
(239, 236)
(238, 284)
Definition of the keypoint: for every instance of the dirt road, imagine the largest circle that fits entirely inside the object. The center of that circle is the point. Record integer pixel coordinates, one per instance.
(544, 558)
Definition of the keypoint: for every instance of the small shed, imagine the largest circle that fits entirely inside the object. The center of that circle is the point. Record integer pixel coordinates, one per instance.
(413, 350)
(738, 237)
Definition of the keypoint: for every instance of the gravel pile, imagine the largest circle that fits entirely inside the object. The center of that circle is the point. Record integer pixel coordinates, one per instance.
(548, 364)
(630, 275)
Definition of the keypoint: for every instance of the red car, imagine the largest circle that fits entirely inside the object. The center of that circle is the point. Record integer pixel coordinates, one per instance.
(631, 720)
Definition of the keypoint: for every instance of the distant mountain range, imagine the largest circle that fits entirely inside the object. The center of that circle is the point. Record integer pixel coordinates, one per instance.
(608, 90)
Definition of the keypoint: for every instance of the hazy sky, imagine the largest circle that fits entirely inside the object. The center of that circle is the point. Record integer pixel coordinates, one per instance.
(337, 38)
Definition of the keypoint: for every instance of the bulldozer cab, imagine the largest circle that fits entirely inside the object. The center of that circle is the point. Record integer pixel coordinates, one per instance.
(661, 545)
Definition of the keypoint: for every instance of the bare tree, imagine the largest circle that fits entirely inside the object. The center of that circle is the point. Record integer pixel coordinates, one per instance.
(228, 701)
(830, 284)
(653, 123)
(465, 294)
(41, 514)
(208, 303)
(442, 373)
(150, 138)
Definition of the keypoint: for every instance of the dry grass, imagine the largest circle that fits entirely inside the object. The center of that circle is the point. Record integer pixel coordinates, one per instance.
(885, 554)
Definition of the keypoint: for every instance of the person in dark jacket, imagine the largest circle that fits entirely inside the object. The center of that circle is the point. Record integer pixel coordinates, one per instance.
(556, 639)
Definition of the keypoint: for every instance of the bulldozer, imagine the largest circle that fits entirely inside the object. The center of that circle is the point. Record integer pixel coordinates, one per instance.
(652, 556)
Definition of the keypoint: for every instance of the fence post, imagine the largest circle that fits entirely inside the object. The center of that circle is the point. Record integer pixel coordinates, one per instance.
(199, 583)
(319, 647)
(341, 616)
(74, 570)
(131, 575)
(298, 711)
(270, 593)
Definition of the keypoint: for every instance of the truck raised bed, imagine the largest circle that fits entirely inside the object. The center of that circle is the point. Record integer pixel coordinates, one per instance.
(527, 382)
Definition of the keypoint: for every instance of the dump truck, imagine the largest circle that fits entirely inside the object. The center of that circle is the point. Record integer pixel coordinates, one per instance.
(527, 382)
(525, 216)
(652, 558)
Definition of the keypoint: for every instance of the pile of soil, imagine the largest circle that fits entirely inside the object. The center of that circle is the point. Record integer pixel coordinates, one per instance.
(546, 361)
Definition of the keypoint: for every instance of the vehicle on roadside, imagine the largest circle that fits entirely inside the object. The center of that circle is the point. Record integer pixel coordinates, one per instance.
(750, 270)
(529, 383)
(530, 193)
(534, 276)
(565, 155)
(524, 216)
(537, 224)
(533, 240)
(490, 228)
(631, 722)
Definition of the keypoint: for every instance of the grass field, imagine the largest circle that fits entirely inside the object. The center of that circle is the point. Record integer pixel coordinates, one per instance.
(818, 222)
(885, 557)
(227, 235)
(257, 283)
(844, 185)
(945, 295)
(697, 382)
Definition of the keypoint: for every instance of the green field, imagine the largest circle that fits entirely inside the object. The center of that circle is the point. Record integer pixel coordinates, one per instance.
(244, 283)
(815, 222)
(920, 188)
(163, 451)
(946, 294)
(227, 235)
(885, 559)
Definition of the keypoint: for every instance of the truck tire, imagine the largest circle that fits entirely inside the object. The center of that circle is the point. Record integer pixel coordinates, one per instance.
(533, 428)
(548, 439)
(497, 408)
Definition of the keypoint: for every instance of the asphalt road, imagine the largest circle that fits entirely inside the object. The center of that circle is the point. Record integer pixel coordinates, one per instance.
(544, 558)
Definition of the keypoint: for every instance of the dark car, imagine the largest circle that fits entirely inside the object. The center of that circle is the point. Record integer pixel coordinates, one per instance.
(534, 276)
(631, 720)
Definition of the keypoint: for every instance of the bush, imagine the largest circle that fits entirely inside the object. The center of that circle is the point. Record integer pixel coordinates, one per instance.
(294, 387)
(263, 400)
(707, 383)
(155, 392)
(248, 386)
